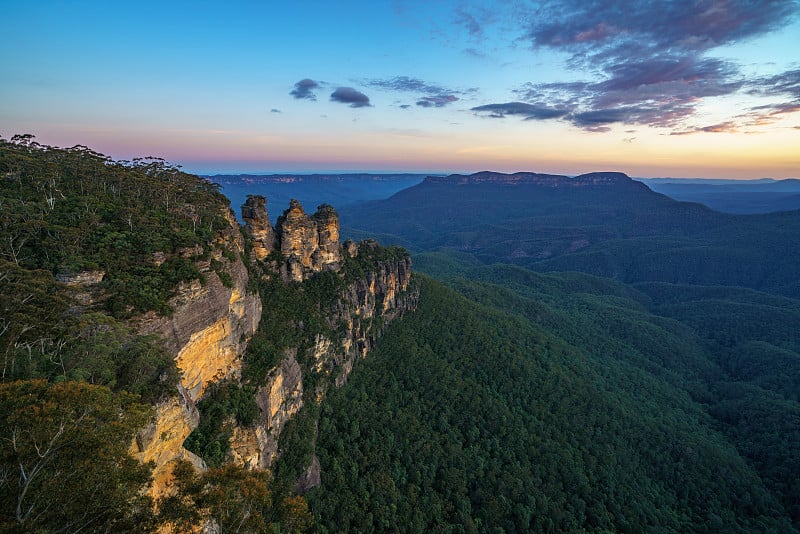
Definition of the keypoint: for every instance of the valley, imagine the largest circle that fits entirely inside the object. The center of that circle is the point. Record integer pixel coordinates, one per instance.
(570, 354)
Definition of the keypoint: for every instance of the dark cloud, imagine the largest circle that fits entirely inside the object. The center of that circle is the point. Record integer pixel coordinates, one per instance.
(405, 106)
(304, 89)
(275, 110)
(348, 95)
(786, 83)
(651, 60)
(407, 84)
(604, 116)
(607, 28)
(660, 91)
(436, 101)
(528, 111)
(722, 127)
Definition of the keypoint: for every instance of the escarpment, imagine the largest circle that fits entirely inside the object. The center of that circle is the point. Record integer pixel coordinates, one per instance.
(207, 334)
(324, 305)
(372, 289)
(344, 296)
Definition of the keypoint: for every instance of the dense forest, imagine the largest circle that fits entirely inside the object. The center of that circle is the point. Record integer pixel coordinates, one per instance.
(575, 409)
(87, 244)
(521, 396)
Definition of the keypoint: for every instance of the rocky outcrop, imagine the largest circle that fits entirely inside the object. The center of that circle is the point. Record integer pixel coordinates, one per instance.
(298, 239)
(308, 244)
(358, 317)
(207, 334)
(161, 442)
(257, 225)
(278, 401)
(329, 249)
(212, 322)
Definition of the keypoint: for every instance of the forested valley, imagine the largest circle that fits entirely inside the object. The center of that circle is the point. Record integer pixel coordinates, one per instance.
(597, 359)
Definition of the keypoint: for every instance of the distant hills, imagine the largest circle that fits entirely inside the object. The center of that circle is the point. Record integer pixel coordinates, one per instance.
(604, 224)
(313, 189)
(732, 196)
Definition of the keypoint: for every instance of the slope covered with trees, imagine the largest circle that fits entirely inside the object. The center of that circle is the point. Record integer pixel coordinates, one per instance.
(511, 400)
(473, 416)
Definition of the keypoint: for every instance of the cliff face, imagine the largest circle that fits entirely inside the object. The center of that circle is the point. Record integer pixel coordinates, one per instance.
(356, 318)
(213, 321)
(207, 334)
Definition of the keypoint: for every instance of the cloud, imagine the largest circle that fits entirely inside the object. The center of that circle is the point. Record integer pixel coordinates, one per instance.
(594, 118)
(433, 95)
(660, 91)
(650, 62)
(469, 22)
(436, 101)
(722, 127)
(407, 84)
(604, 29)
(528, 111)
(304, 89)
(783, 84)
(275, 110)
(348, 95)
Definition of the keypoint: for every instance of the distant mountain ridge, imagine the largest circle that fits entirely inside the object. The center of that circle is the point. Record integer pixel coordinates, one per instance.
(603, 223)
(730, 196)
(532, 178)
(287, 178)
(314, 189)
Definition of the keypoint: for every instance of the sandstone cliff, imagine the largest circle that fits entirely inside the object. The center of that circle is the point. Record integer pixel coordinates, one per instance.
(364, 304)
(364, 288)
(207, 334)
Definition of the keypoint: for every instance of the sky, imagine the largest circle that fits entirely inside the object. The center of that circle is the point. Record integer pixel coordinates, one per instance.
(688, 88)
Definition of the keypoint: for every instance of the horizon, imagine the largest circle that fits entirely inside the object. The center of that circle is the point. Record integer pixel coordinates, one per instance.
(684, 89)
(391, 173)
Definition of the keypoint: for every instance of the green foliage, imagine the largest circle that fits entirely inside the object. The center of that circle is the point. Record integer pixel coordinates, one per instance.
(70, 210)
(64, 458)
(236, 499)
(222, 404)
(478, 417)
(296, 445)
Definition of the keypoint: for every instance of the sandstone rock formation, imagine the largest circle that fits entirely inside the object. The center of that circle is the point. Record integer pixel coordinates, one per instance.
(330, 251)
(299, 241)
(257, 225)
(308, 244)
(213, 321)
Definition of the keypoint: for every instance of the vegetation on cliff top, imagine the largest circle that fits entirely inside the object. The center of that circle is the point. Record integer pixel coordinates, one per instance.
(85, 244)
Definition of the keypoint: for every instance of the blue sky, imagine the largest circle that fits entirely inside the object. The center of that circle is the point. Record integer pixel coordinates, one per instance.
(683, 88)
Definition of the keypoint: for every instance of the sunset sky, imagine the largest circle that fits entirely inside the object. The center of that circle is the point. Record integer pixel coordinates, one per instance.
(682, 89)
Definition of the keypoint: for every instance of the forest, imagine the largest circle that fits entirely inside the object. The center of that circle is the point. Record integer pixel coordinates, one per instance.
(583, 360)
